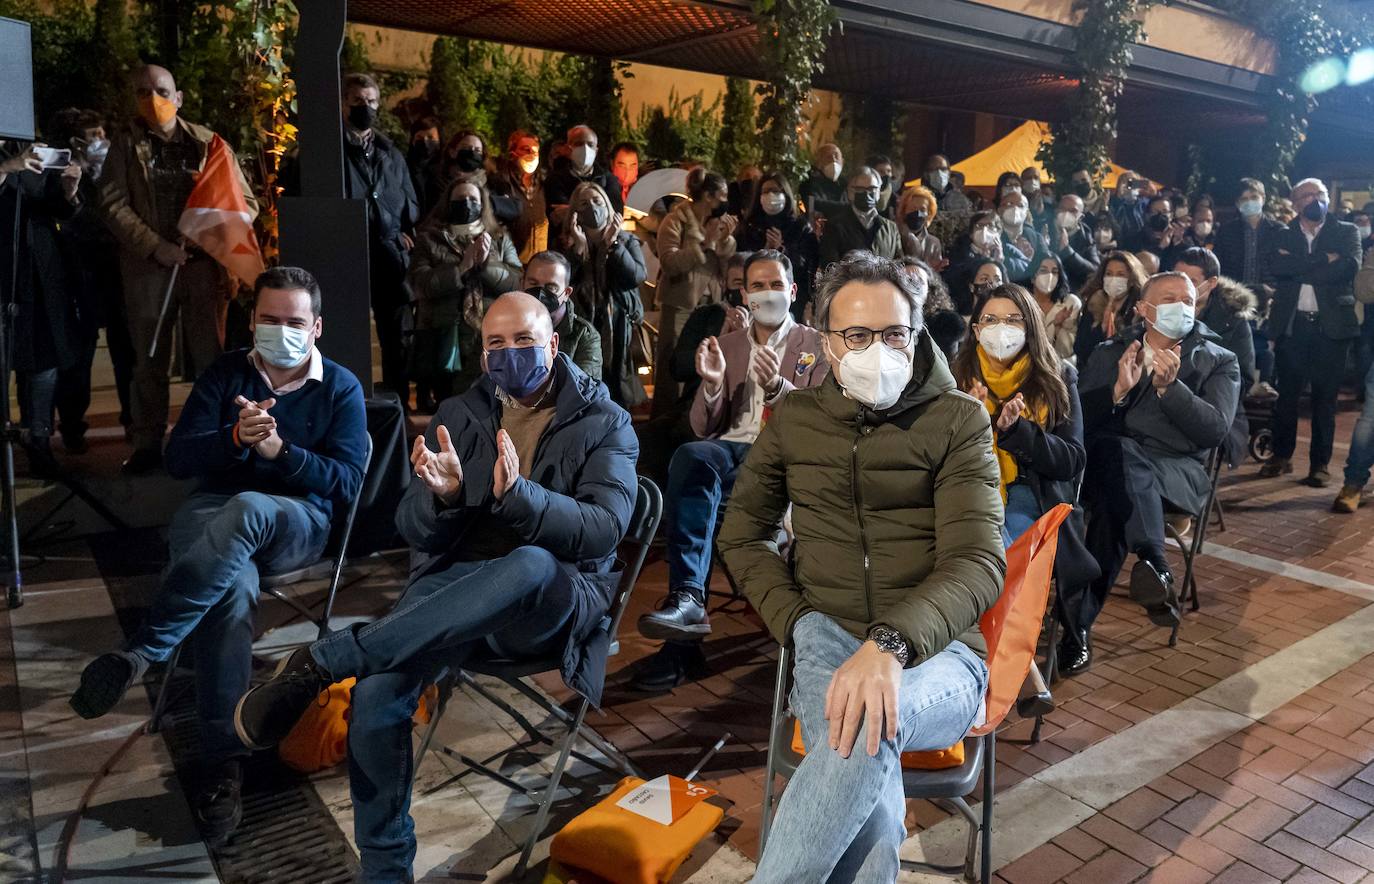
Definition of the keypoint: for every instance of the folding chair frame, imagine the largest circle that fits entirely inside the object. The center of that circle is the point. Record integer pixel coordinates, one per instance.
(273, 584)
(643, 526)
(980, 824)
(1190, 547)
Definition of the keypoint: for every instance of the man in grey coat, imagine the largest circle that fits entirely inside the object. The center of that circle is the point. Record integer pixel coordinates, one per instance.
(1156, 399)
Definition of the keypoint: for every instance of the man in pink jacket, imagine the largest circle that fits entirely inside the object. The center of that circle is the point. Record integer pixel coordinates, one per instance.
(744, 375)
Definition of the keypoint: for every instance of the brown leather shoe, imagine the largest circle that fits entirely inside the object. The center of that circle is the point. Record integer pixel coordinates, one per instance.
(1348, 500)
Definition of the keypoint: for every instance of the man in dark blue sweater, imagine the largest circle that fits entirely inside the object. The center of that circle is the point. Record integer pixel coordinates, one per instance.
(277, 436)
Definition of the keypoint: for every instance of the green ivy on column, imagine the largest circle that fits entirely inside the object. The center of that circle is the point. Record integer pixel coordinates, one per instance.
(792, 36)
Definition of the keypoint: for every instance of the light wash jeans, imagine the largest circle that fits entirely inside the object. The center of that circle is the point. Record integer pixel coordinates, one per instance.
(842, 819)
(1021, 511)
(1361, 456)
(220, 544)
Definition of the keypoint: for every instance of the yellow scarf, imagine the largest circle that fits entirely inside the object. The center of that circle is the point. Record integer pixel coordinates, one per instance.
(1003, 385)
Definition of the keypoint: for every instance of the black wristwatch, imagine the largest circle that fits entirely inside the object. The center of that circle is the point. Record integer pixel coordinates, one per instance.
(892, 642)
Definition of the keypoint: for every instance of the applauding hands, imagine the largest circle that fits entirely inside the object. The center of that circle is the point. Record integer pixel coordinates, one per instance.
(442, 471)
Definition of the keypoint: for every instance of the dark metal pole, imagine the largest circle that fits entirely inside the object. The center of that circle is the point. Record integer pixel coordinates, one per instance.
(14, 592)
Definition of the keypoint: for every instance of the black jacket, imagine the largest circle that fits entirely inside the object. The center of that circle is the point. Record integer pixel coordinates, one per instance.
(1230, 249)
(1292, 266)
(607, 292)
(798, 244)
(844, 232)
(562, 181)
(1081, 258)
(819, 194)
(1052, 463)
(1181, 427)
(45, 321)
(577, 505)
(1228, 313)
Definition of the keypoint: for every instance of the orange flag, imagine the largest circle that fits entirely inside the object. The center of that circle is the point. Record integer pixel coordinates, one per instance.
(217, 219)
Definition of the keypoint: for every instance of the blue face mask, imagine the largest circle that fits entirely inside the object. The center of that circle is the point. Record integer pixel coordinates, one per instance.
(1174, 321)
(281, 345)
(1250, 208)
(518, 370)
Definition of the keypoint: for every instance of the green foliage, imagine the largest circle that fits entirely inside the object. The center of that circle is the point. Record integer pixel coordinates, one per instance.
(63, 33)
(688, 128)
(870, 124)
(738, 145)
(1103, 41)
(792, 36)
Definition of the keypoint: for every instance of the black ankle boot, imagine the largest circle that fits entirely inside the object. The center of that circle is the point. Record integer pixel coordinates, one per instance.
(1075, 653)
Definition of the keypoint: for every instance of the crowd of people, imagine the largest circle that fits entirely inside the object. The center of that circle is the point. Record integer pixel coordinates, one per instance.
(857, 414)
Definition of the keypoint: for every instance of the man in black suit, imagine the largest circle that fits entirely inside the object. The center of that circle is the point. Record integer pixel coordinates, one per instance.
(1313, 320)
(1243, 241)
(1072, 240)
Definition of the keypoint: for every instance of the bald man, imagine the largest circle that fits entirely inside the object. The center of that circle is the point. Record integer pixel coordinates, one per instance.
(824, 190)
(148, 175)
(524, 486)
(583, 163)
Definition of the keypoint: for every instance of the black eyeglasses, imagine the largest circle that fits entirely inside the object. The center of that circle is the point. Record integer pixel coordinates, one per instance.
(898, 337)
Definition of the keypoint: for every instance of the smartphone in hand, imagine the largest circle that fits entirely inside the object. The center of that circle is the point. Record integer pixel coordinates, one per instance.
(54, 157)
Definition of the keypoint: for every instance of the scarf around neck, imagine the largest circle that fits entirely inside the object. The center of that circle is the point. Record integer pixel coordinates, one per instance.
(1003, 385)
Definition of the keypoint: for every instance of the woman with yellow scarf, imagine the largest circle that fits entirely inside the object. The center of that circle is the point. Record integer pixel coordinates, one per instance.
(1008, 362)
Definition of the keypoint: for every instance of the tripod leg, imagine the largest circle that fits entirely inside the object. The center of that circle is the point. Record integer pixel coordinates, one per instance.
(15, 590)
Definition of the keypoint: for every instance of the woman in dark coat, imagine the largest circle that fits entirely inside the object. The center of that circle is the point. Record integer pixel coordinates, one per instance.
(773, 221)
(608, 266)
(44, 331)
(1032, 398)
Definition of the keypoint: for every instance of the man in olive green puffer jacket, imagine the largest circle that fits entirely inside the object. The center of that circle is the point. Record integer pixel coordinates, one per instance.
(893, 485)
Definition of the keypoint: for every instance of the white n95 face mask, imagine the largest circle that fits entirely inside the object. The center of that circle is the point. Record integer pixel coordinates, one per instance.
(875, 376)
(769, 306)
(1002, 342)
(583, 156)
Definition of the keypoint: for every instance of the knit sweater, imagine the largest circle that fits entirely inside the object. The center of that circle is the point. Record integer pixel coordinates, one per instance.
(323, 424)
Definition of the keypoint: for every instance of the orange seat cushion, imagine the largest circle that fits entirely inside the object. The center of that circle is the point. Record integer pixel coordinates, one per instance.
(936, 759)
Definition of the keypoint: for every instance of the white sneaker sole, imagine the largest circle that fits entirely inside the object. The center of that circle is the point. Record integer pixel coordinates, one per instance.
(238, 707)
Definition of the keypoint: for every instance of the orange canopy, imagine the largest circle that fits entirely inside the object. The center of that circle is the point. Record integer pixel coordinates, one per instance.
(1014, 152)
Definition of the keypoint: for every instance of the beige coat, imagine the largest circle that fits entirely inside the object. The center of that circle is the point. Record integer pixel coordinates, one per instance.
(689, 274)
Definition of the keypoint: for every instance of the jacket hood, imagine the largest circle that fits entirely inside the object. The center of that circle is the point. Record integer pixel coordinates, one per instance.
(930, 377)
(1237, 297)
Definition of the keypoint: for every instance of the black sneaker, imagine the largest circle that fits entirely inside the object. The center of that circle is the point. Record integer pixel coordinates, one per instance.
(142, 461)
(266, 714)
(1152, 587)
(681, 617)
(105, 681)
(218, 802)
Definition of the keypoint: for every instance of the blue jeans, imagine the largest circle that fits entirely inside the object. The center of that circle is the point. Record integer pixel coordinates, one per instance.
(700, 478)
(523, 602)
(841, 819)
(1021, 511)
(1361, 457)
(219, 545)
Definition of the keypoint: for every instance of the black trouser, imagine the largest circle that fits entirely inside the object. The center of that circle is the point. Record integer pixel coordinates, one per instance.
(1307, 356)
(388, 301)
(1125, 510)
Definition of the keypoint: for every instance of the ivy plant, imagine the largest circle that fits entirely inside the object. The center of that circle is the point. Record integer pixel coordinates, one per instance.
(792, 35)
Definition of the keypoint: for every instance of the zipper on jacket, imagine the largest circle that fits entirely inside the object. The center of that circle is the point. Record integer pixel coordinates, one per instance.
(859, 514)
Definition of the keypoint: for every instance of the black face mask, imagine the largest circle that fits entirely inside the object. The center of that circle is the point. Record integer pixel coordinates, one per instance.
(719, 210)
(362, 116)
(981, 288)
(887, 182)
(916, 220)
(1159, 223)
(865, 201)
(422, 150)
(464, 211)
(734, 297)
(547, 295)
(469, 159)
(1083, 188)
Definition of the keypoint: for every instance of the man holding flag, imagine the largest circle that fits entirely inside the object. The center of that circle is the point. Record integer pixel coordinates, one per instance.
(182, 211)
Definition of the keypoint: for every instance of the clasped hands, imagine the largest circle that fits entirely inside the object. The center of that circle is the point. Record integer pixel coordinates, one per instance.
(1012, 409)
(442, 470)
(257, 429)
(1132, 364)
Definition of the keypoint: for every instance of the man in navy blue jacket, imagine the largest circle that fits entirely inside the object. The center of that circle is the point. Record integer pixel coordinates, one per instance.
(524, 486)
(277, 436)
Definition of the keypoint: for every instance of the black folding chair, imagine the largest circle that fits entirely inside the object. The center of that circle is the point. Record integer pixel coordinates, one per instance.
(949, 786)
(648, 513)
(331, 564)
(1190, 546)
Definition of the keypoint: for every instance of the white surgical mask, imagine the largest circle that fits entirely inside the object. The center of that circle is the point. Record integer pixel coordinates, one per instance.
(1002, 341)
(1031, 186)
(1115, 286)
(1013, 216)
(1045, 282)
(1250, 208)
(938, 180)
(529, 164)
(281, 345)
(1203, 229)
(583, 156)
(1067, 220)
(1364, 230)
(1174, 321)
(831, 171)
(984, 235)
(773, 203)
(875, 376)
(1104, 237)
(769, 306)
